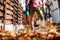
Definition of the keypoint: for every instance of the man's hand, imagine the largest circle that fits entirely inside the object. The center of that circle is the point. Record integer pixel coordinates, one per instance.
(51, 12)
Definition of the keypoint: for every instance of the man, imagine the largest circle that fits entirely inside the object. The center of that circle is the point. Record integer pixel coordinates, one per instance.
(55, 11)
(35, 7)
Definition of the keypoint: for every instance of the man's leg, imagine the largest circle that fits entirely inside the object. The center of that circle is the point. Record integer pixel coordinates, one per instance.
(31, 16)
(40, 14)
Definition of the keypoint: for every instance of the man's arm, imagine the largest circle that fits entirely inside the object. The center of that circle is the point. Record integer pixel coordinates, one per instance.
(56, 8)
(43, 3)
(27, 2)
